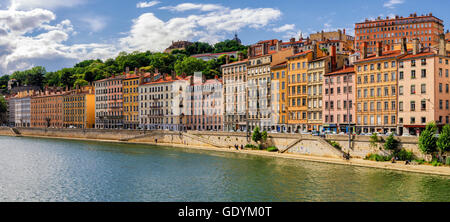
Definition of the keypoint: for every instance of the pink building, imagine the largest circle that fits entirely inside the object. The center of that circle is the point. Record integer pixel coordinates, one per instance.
(339, 96)
(109, 103)
(423, 89)
(204, 103)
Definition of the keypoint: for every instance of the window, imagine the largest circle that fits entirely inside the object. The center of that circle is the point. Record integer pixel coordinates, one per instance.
(423, 105)
(413, 89)
(400, 106)
(413, 106)
(424, 73)
(413, 74)
(400, 75)
(400, 90)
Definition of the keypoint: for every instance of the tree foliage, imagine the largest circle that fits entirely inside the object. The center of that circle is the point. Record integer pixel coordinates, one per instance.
(391, 143)
(95, 69)
(427, 139)
(256, 136)
(443, 142)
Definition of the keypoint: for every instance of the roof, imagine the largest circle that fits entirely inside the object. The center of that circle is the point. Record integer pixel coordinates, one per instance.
(166, 80)
(279, 65)
(348, 69)
(235, 63)
(211, 54)
(299, 54)
(410, 56)
(385, 55)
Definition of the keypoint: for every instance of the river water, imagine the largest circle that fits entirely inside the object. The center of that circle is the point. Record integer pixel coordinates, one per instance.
(63, 170)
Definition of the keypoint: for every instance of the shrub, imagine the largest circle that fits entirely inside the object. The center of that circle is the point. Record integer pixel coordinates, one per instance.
(447, 161)
(260, 147)
(405, 155)
(421, 161)
(272, 149)
(335, 145)
(436, 163)
(251, 146)
(377, 157)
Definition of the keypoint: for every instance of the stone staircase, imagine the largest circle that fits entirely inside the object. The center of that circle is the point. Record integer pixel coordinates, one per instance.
(151, 133)
(15, 132)
(291, 145)
(203, 140)
(333, 149)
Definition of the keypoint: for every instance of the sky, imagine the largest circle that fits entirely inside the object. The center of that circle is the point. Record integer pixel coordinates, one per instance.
(57, 34)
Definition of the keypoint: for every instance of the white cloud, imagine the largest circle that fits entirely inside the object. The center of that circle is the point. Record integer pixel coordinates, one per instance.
(95, 23)
(392, 3)
(21, 48)
(151, 33)
(284, 28)
(147, 4)
(191, 6)
(47, 4)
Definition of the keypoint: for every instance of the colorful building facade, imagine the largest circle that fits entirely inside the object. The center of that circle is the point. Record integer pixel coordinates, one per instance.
(79, 108)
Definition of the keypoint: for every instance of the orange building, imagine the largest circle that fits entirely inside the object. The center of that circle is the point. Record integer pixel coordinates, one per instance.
(47, 109)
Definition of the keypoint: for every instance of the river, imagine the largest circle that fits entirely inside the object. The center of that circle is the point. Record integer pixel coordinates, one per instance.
(64, 170)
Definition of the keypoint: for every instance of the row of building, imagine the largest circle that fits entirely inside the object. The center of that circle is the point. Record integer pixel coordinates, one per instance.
(329, 81)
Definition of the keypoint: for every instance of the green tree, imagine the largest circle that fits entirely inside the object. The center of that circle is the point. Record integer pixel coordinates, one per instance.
(228, 46)
(427, 139)
(199, 48)
(391, 143)
(189, 65)
(374, 140)
(443, 142)
(256, 136)
(80, 82)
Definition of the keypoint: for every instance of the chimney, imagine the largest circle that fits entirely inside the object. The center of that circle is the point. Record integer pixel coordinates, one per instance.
(364, 50)
(387, 47)
(415, 46)
(240, 56)
(156, 71)
(292, 40)
(227, 59)
(295, 49)
(249, 50)
(136, 70)
(403, 46)
(173, 74)
(127, 69)
(164, 77)
(216, 77)
(442, 45)
(379, 49)
(333, 58)
(278, 47)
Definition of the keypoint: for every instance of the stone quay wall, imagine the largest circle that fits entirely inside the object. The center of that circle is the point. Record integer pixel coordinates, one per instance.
(306, 144)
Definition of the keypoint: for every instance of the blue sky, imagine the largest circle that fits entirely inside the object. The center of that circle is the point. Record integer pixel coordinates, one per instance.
(57, 34)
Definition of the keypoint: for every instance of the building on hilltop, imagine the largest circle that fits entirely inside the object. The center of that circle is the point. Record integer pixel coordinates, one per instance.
(178, 45)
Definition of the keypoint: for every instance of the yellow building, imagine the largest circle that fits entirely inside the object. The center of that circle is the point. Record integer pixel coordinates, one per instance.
(79, 108)
(131, 101)
(376, 90)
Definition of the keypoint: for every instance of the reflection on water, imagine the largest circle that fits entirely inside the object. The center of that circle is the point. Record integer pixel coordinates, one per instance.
(63, 170)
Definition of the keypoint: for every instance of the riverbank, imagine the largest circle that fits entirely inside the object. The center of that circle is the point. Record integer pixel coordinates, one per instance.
(400, 165)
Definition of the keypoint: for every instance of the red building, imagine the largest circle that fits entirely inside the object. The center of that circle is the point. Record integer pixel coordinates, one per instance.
(391, 30)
